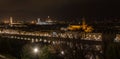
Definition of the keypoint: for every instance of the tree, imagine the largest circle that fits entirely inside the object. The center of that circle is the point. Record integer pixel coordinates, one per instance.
(113, 51)
(44, 52)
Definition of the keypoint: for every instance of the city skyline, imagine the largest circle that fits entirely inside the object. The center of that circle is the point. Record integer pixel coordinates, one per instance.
(59, 29)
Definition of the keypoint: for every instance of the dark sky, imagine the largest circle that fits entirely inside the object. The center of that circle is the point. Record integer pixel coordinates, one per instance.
(60, 7)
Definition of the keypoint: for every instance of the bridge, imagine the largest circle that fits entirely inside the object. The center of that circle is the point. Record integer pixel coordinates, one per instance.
(45, 39)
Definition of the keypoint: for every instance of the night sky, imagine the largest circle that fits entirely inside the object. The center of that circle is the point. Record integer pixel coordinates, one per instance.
(60, 7)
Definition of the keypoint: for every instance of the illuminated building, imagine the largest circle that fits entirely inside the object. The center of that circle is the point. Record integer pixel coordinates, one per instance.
(83, 27)
(47, 22)
(13, 23)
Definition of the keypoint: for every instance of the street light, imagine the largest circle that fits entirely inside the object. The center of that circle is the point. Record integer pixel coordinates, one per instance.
(35, 50)
(62, 52)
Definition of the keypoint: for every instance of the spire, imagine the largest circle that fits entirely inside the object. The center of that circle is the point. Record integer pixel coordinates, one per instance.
(48, 16)
(83, 21)
(11, 20)
(38, 20)
(84, 25)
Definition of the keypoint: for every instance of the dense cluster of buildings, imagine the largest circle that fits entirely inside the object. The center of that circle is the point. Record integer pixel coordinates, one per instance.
(90, 37)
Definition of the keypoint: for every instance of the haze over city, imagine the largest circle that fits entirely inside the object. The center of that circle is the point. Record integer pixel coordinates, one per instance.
(59, 7)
